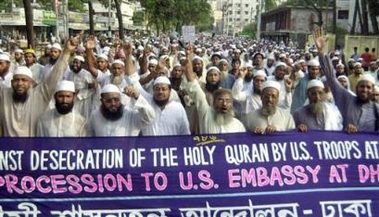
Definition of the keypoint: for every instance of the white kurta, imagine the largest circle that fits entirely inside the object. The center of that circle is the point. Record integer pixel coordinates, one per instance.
(130, 124)
(282, 120)
(172, 120)
(206, 113)
(20, 119)
(53, 124)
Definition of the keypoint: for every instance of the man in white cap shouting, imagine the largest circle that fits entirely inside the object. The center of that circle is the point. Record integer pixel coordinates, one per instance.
(319, 114)
(170, 115)
(63, 120)
(22, 105)
(269, 118)
(115, 119)
(359, 112)
(218, 118)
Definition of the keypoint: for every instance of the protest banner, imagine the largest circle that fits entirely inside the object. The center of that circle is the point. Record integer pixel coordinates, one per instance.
(320, 174)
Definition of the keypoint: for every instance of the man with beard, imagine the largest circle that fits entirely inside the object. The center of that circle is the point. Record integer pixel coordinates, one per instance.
(359, 112)
(44, 59)
(5, 73)
(300, 92)
(86, 99)
(19, 57)
(63, 120)
(281, 76)
(212, 83)
(36, 68)
(269, 118)
(198, 66)
(218, 118)
(22, 105)
(319, 114)
(115, 119)
(55, 52)
(98, 67)
(171, 118)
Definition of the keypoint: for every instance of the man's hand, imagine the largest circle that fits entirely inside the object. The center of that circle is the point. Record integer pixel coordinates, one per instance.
(71, 44)
(91, 43)
(270, 129)
(128, 49)
(242, 72)
(320, 41)
(302, 128)
(131, 92)
(351, 128)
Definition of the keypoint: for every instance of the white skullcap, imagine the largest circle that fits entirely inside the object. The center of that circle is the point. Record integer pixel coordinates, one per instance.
(197, 58)
(163, 57)
(248, 65)
(162, 80)
(342, 76)
(118, 62)
(271, 57)
(259, 73)
(48, 46)
(315, 83)
(80, 58)
(367, 77)
(357, 64)
(280, 64)
(65, 85)
(198, 50)
(313, 62)
(213, 68)
(153, 62)
(223, 60)
(301, 61)
(282, 55)
(376, 88)
(373, 63)
(177, 65)
(360, 59)
(340, 64)
(273, 84)
(182, 53)
(351, 60)
(4, 57)
(216, 54)
(335, 58)
(23, 70)
(140, 48)
(110, 88)
(56, 46)
(18, 50)
(103, 56)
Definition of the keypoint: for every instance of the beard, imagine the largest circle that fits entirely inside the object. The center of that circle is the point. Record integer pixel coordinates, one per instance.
(64, 108)
(248, 78)
(161, 102)
(112, 115)
(52, 61)
(199, 73)
(75, 70)
(212, 87)
(316, 108)
(20, 98)
(257, 91)
(116, 79)
(362, 101)
(268, 111)
(223, 118)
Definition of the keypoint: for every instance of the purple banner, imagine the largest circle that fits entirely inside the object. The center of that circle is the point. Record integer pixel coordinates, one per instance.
(329, 174)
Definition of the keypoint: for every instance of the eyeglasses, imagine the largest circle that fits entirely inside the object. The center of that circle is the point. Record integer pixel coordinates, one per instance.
(222, 101)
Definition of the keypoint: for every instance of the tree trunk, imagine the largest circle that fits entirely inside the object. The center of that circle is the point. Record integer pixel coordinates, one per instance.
(91, 23)
(356, 8)
(374, 24)
(29, 23)
(119, 18)
(365, 29)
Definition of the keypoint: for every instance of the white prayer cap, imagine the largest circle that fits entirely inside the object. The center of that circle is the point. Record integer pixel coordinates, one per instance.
(373, 63)
(337, 53)
(218, 54)
(56, 46)
(282, 55)
(360, 59)
(301, 61)
(4, 57)
(259, 73)
(197, 58)
(273, 84)
(48, 46)
(367, 77)
(313, 62)
(162, 80)
(223, 60)
(342, 76)
(376, 88)
(140, 48)
(153, 62)
(335, 58)
(118, 62)
(351, 60)
(340, 64)
(271, 57)
(213, 68)
(182, 53)
(315, 83)
(198, 50)
(65, 85)
(357, 64)
(163, 57)
(280, 64)
(177, 65)
(18, 50)
(103, 56)
(110, 88)
(248, 65)
(23, 70)
(80, 58)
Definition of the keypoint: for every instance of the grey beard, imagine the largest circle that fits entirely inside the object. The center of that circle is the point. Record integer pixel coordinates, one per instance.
(317, 108)
(116, 80)
(267, 111)
(224, 118)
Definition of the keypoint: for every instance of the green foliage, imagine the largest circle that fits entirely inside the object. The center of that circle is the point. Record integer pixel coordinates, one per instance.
(270, 4)
(250, 30)
(138, 18)
(169, 14)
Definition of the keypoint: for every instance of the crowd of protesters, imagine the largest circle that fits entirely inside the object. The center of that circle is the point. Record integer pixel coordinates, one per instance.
(94, 86)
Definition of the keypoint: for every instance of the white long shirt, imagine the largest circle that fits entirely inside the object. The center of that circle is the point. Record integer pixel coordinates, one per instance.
(53, 124)
(130, 124)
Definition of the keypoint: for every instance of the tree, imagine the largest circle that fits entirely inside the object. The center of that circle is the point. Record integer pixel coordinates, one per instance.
(29, 23)
(250, 30)
(138, 18)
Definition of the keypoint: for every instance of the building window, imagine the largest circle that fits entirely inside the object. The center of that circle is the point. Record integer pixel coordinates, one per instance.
(238, 12)
(246, 12)
(343, 14)
(246, 5)
(246, 20)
